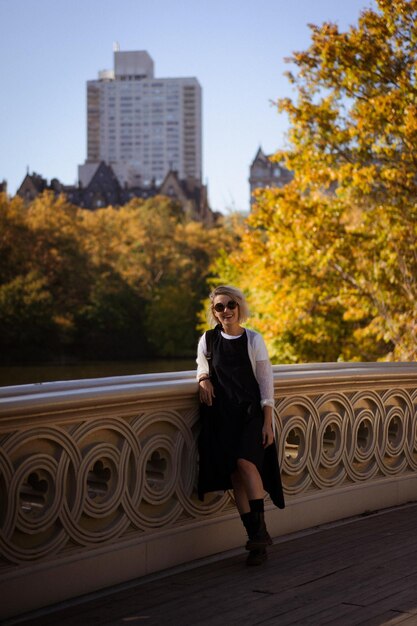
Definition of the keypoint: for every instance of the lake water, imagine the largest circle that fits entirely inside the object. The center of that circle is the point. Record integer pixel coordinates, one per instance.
(47, 372)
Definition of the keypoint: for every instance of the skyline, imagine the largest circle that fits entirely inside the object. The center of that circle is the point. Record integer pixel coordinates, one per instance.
(50, 49)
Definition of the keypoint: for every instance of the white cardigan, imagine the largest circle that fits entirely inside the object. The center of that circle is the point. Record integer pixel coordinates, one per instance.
(258, 356)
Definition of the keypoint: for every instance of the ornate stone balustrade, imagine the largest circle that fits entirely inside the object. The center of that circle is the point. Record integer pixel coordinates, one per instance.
(97, 477)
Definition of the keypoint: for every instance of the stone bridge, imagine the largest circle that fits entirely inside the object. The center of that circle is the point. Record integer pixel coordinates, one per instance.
(97, 477)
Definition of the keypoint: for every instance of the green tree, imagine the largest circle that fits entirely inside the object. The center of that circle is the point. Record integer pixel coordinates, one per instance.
(41, 262)
(26, 318)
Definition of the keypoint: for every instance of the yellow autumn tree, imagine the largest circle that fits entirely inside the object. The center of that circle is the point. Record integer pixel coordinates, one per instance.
(330, 261)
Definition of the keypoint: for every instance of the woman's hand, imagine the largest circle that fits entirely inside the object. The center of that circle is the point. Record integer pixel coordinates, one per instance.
(267, 430)
(267, 434)
(206, 391)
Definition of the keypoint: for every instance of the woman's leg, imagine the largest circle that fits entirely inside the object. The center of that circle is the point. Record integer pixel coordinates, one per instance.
(249, 492)
(241, 498)
(251, 479)
(247, 485)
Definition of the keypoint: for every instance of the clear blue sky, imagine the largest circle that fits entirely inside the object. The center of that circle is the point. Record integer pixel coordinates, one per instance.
(236, 49)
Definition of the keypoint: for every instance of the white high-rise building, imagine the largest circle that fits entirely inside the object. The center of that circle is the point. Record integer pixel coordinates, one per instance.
(142, 126)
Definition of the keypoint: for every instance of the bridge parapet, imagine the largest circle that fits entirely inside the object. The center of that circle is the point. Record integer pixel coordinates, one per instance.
(97, 477)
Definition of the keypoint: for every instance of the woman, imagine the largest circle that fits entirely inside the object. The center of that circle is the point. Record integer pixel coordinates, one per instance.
(237, 398)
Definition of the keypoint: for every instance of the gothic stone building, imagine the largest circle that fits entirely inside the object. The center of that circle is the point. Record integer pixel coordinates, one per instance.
(104, 190)
(266, 173)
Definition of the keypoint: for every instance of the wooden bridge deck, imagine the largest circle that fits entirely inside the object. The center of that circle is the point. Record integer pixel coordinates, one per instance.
(361, 571)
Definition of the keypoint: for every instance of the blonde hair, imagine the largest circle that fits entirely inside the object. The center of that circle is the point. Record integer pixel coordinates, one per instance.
(234, 294)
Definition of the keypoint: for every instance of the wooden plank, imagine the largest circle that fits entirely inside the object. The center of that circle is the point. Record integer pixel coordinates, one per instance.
(347, 574)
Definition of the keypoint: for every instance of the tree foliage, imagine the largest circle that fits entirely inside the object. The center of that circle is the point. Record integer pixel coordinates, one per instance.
(112, 283)
(330, 261)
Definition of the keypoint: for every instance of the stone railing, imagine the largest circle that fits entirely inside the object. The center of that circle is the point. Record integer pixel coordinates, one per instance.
(97, 477)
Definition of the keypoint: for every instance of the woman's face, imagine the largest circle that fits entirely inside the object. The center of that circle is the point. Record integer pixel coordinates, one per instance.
(229, 316)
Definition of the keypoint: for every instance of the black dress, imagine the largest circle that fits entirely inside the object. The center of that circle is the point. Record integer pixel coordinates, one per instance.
(232, 427)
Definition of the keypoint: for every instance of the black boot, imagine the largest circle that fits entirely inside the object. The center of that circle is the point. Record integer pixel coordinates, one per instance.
(257, 557)
(257, 532)
(249, 523)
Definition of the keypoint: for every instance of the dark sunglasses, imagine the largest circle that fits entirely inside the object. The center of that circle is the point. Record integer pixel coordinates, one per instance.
(219, 307)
